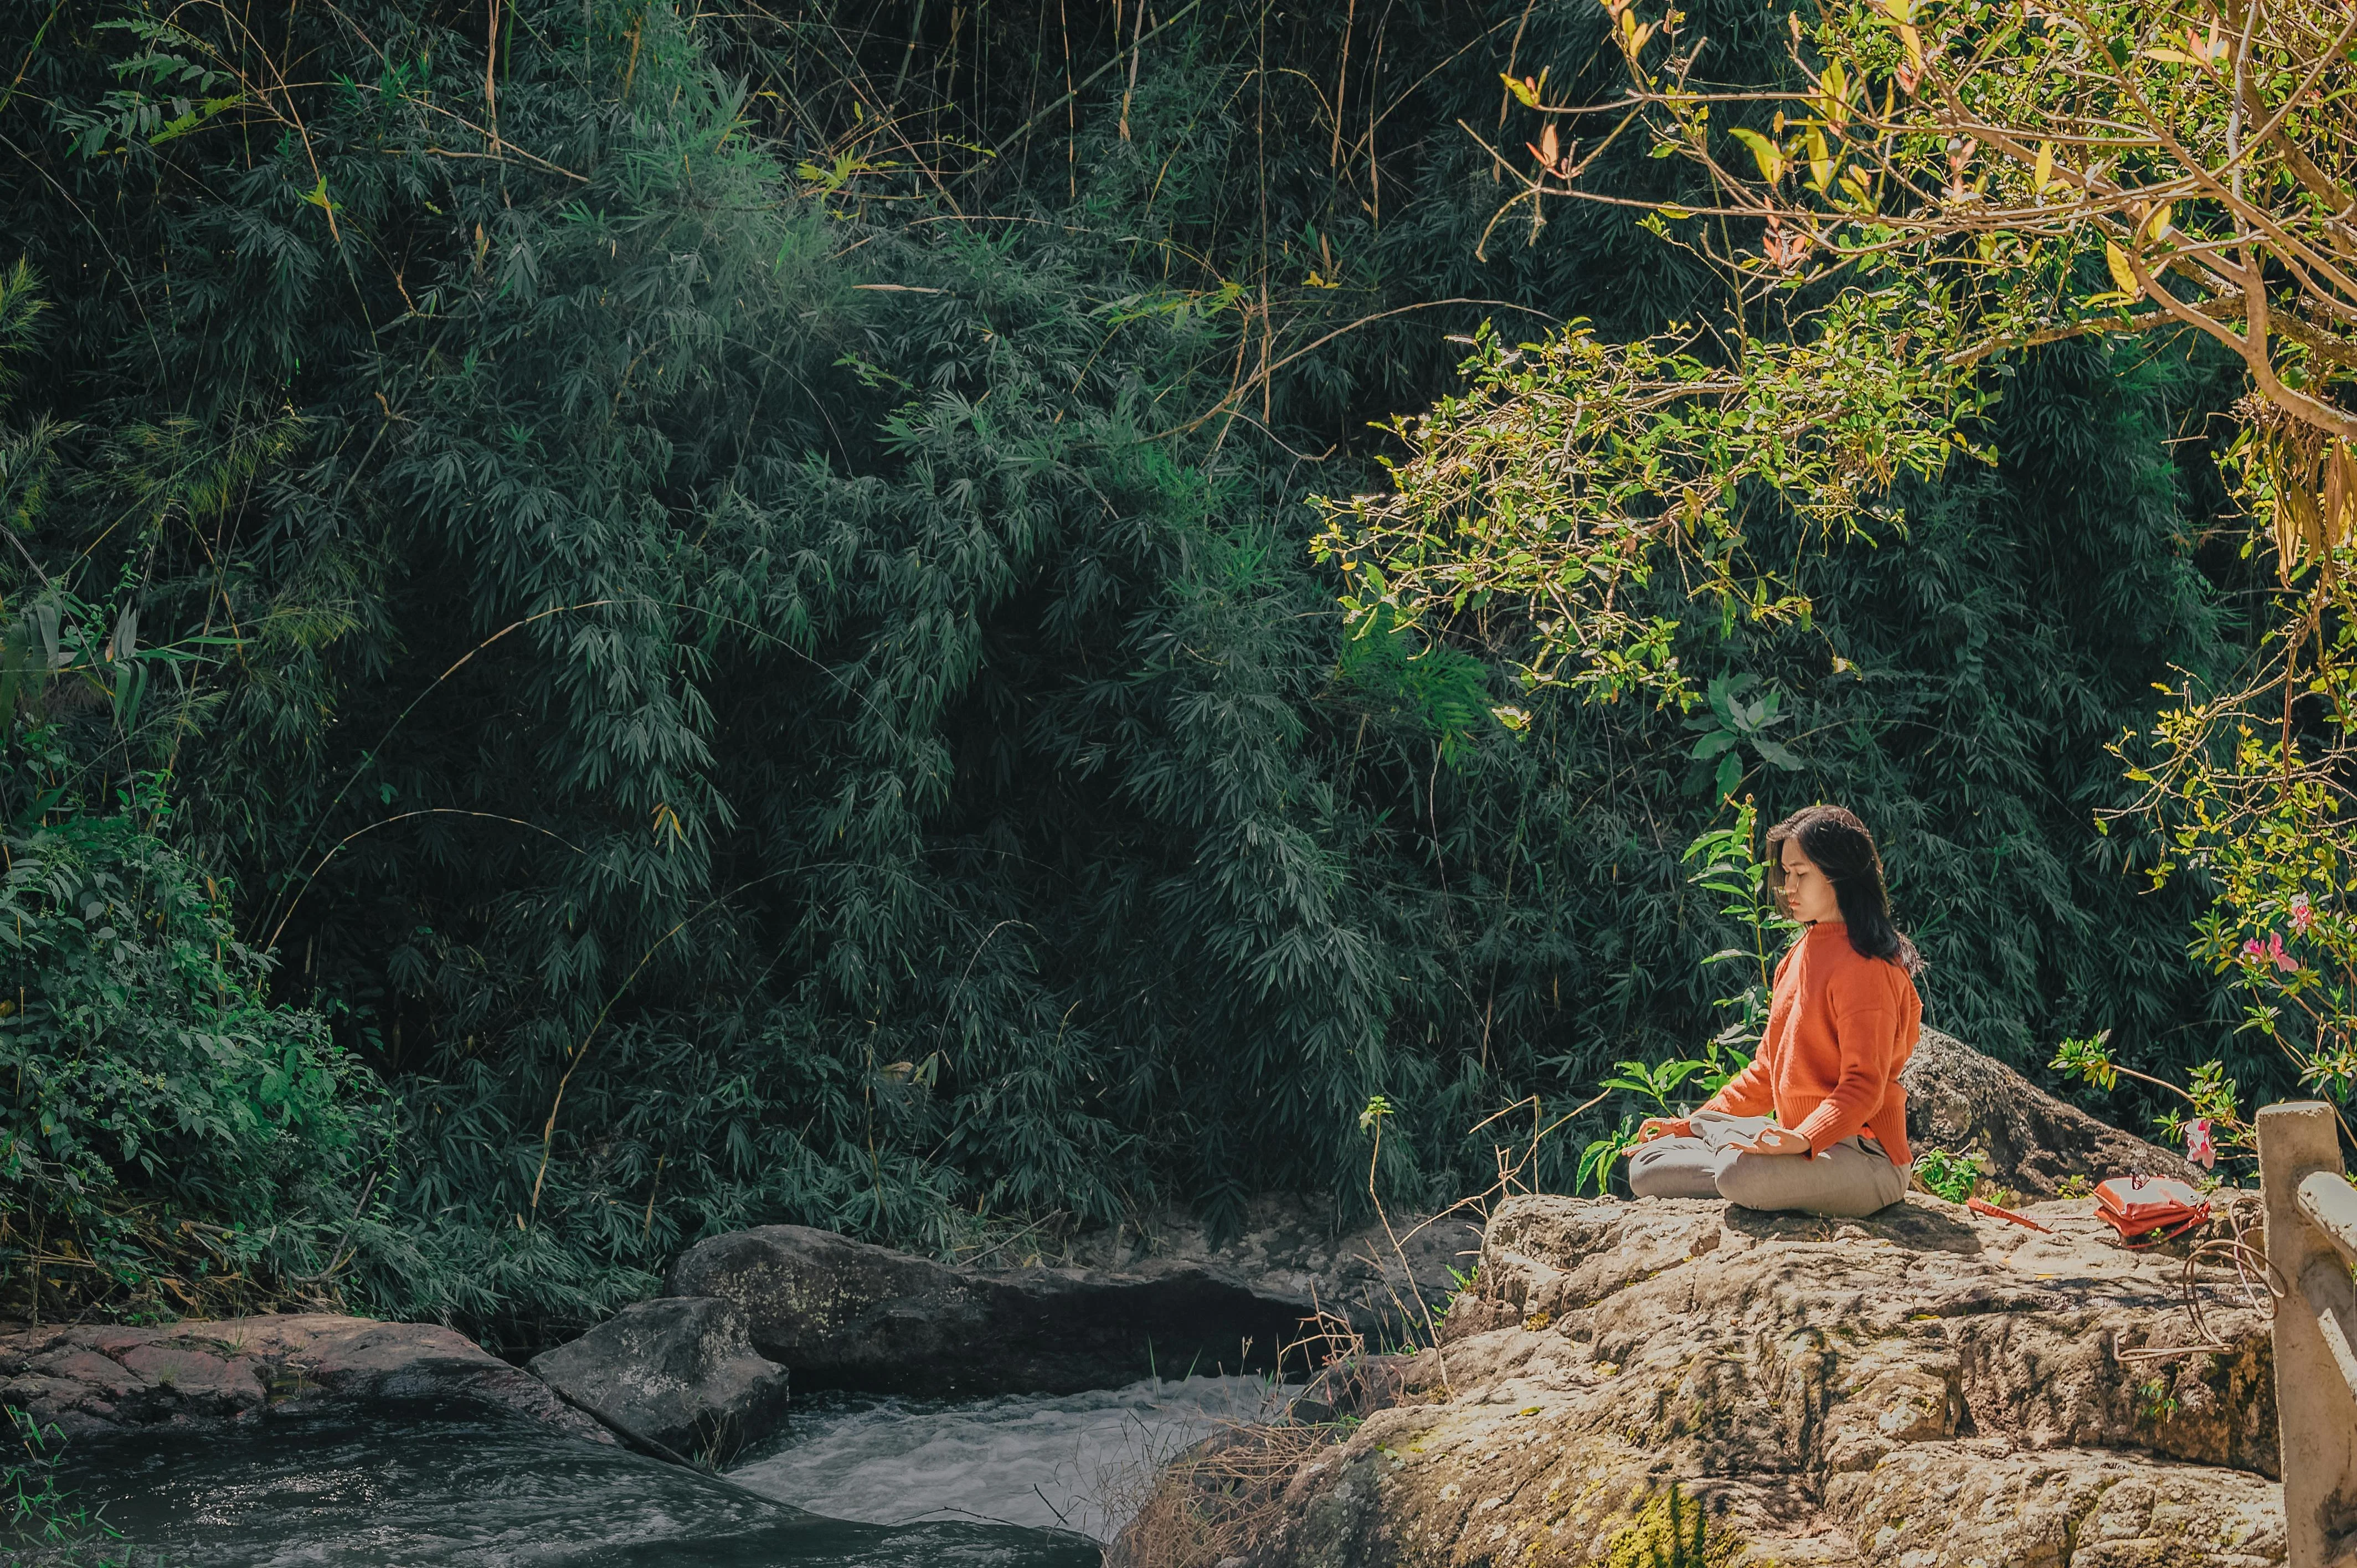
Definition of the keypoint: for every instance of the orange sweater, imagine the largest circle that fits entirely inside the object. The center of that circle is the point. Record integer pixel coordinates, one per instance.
(1840, 1025)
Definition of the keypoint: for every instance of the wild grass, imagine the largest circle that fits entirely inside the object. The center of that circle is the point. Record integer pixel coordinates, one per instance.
(39, 1521)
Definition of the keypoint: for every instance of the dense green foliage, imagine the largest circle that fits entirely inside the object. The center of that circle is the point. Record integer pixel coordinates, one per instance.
(754, 661)
(149, 1061)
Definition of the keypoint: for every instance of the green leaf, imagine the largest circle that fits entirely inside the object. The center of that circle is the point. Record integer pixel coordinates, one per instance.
(1730, 774)
(128, 692)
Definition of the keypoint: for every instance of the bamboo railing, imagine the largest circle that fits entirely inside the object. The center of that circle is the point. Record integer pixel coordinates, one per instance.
(2311, 1247)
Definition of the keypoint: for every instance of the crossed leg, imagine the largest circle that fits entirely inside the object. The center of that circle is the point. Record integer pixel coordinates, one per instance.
(1853, 1178)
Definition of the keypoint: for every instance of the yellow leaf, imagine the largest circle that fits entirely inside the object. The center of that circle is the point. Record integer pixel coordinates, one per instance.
(1765, 153)
(2122, 275)
(1861, 188)
(1834, 102)
(2157, 228)
(2041, 177)
(1525, 91)
(2173, 57)
(1672, 210)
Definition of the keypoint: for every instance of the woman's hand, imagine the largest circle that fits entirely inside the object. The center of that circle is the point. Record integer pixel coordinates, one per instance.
(1653, 1127)
(1775, 1139)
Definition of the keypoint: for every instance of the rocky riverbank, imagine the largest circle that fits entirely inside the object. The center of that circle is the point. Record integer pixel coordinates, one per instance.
(705, 1368)
(1881, 1389)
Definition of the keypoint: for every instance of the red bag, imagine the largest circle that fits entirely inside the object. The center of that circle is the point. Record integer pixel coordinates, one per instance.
(2135, 1205)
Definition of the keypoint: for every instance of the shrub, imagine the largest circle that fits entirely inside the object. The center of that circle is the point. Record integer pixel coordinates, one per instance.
(171, 1140)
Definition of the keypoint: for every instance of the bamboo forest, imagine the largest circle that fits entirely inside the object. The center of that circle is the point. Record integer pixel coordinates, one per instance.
(952, 619)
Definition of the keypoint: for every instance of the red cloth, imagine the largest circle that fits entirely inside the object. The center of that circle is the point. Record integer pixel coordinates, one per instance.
(1840, 1025)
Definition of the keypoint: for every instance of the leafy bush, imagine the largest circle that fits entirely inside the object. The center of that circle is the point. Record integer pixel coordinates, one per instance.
(1951, 1176)
(171, 1140)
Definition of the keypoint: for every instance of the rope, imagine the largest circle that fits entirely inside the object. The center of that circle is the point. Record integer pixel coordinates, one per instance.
(2260, 1282)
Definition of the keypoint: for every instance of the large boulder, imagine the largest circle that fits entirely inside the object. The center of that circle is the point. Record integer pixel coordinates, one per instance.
(1929, 1388)
(97, 1379)
(842, 1314)
(1959, 1099)
(1387, 1279)
(676, 1373)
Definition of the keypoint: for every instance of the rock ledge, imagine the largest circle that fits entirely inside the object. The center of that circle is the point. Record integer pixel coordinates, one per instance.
(844, 1314)
(1924, 1388)
(90, 1380)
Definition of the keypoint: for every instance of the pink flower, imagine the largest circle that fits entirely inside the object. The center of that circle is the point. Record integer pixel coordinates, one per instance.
(2303, 914)
(2273, 950)
(2199, 1148)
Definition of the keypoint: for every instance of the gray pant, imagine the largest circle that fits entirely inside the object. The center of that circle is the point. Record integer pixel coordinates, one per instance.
(1852, 1178)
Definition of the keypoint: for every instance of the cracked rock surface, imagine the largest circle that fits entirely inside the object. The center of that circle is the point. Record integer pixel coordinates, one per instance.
(90, 1379)
(1927, 1388)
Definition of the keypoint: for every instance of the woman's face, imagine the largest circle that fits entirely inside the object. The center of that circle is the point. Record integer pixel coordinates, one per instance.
(1808, 896)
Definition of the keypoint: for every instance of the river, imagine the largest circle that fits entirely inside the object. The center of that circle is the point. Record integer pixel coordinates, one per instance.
(851, 1482)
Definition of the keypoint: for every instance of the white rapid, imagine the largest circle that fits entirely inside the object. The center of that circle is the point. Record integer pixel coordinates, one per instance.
(1077, 1462)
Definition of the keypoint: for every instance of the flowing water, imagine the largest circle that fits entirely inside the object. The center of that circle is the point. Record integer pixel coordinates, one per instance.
(853, 1482)
(1078, 1463)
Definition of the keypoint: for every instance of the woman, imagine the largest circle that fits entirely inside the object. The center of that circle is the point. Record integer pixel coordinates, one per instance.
(1842, 1022)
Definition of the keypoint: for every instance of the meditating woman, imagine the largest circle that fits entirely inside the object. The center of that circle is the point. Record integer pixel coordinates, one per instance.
(1842, 1022)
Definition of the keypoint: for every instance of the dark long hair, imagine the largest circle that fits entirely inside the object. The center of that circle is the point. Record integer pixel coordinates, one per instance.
(1837, 844)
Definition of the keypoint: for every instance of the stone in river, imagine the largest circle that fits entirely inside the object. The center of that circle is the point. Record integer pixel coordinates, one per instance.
(678, 1372)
